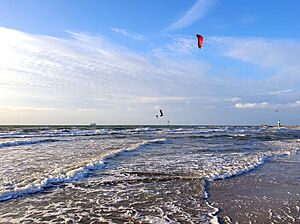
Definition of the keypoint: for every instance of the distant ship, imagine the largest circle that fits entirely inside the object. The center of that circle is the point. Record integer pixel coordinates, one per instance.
(93, 124)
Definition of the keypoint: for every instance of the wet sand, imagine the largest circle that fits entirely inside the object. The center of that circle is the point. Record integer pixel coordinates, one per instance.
(270, 194)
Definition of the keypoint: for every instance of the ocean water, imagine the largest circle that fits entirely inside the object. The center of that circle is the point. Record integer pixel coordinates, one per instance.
(127, 174)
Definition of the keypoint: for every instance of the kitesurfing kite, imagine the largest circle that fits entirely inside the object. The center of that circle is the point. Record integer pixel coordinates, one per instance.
(200, 40)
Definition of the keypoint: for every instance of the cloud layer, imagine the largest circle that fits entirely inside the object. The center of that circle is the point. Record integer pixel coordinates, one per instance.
(266, 105)
(87, 78)
(128, 34)
(196, 12)
(88, 73)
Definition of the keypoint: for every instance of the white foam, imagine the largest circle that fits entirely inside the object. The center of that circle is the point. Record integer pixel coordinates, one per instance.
(213, 215)
(237, 169)
(27, 142)
(54, 133)
(248, 163)
(75, 173)
(225, 171)
(47, 182)
(143, 129)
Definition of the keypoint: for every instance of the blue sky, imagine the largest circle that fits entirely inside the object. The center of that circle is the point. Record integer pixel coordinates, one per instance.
(118, 62)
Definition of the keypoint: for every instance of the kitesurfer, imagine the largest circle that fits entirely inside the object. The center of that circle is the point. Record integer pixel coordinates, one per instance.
(161, 113)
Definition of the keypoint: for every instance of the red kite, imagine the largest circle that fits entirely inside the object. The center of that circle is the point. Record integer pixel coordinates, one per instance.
(200, 40)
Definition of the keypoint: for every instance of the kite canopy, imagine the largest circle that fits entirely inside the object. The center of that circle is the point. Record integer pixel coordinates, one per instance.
(200, 40)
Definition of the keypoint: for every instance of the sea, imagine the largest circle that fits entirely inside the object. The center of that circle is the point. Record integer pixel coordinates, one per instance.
(127, 174)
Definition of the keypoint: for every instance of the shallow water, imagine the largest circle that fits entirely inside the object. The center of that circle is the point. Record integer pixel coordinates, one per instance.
(126, 174)
(268, 195)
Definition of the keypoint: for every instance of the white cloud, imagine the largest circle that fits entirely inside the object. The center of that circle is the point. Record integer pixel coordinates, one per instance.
(278, 60)
(196, 12)
(126, 33)
(151, 99)
(233, 100)
(289, 105)
(168, 99)
(279, 92)
(22, 108)
(183, 45)
(263, 52)
(251, 105)
(266, 105)
(86, 72)
(92, 78)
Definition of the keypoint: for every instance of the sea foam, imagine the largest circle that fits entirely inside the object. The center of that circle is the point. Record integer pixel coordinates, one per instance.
(76, 173)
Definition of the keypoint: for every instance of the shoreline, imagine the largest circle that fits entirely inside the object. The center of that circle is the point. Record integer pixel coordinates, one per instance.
(268, 194)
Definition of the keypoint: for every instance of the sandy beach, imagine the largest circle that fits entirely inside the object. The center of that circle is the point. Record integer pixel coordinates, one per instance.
(270, 194)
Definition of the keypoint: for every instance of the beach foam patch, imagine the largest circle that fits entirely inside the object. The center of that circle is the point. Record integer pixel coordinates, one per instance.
(27, 142)
(13, 190)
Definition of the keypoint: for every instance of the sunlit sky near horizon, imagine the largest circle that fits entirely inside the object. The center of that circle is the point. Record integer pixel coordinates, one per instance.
(120, 61)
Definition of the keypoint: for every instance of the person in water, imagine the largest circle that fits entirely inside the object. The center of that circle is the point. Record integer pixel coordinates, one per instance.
(161, 113)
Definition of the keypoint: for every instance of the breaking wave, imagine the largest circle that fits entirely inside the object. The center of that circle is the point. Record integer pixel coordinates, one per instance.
(74, 173)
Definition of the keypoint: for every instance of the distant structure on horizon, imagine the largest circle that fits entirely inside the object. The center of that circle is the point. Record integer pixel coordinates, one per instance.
(93, 124)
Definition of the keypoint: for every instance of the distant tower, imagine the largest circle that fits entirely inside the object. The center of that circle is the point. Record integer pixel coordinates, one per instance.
(278, 123)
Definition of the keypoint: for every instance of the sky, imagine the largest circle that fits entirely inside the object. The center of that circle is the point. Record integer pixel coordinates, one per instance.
(120, 61)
